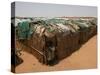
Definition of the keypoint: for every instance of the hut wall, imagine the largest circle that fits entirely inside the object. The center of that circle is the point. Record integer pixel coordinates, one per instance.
(67, 44)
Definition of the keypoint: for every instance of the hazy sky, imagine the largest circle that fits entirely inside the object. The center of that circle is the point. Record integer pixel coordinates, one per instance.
(29, 9)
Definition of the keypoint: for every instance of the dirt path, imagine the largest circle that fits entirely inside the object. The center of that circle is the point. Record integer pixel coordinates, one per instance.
(85, 58)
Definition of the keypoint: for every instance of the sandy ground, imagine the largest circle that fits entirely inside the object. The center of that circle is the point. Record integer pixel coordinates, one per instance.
(84, 58)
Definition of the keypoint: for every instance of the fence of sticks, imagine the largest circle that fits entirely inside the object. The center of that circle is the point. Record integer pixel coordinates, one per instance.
(54, 39)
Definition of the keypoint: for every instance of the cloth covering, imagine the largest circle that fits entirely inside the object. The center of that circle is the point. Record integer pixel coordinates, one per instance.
(24, 30)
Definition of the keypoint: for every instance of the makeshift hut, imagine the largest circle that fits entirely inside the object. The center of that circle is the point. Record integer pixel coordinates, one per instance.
(55, 39)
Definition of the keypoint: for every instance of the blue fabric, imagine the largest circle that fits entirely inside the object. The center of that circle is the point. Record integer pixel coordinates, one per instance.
(24, 30)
